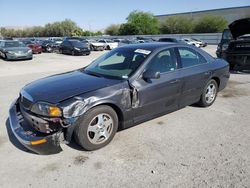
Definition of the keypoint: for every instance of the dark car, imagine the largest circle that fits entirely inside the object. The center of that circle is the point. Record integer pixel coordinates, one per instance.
(235, 44)
(74, 47)
(175, 40)
(14, 50)
(33, 45)
(120, 89)
(81, 39)
(47, 45)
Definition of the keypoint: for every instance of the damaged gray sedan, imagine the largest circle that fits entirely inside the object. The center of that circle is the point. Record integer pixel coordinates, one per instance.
(122, 88)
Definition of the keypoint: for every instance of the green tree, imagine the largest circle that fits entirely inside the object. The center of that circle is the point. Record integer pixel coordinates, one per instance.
(176, 25)
(210, 24)
(112, 29)
(128, 29)
(140, 23)
(98, 33)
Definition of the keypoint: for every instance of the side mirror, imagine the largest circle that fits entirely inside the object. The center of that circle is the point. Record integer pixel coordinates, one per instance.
(151, 74)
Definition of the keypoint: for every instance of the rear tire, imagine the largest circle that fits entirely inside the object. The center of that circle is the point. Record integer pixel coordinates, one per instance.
(5, 57)
(209, 94)
(96, 128)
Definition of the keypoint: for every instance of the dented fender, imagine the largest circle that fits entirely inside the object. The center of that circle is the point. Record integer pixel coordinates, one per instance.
(119, 95)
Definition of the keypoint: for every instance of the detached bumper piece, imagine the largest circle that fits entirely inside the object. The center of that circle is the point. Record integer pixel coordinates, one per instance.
(33, 140)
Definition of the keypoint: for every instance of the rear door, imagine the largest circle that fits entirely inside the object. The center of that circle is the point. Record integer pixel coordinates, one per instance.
(195, 74)
(161, 95)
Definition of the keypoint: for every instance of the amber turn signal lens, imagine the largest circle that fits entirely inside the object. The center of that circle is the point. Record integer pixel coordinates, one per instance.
(37, 142)
(54, 111)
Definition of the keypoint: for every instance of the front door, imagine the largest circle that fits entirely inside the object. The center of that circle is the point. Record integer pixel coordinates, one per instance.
(157, 96)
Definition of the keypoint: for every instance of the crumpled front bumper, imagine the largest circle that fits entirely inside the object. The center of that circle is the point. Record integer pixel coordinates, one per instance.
(30, 138)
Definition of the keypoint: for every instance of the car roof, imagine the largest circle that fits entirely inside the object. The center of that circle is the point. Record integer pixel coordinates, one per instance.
(149, 46)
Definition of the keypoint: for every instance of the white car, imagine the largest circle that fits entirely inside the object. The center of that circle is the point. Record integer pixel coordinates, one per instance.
(96, 45)
(192, 42)
(109, 44)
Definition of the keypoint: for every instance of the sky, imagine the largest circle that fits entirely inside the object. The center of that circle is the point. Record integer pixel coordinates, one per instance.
(96, 14)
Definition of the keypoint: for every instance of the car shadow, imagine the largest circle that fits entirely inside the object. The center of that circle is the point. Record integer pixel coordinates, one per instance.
(241, 72)
(14, 140)
(75, 146)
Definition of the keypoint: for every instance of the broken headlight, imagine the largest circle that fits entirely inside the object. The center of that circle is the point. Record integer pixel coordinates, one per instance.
(45, 109)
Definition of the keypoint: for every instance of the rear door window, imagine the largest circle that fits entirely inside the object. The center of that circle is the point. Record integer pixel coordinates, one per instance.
(190, 57)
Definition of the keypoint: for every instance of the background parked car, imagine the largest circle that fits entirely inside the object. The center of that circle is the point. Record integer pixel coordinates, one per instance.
(192, 42)
(202, 43)
(235, 44)
(96, 46)
(144, 40)
(74, 47)
(127, 42)
(109, 44)
(170, 39)
(14, 50)
(81, 39)
(47, 46)
(34, 46)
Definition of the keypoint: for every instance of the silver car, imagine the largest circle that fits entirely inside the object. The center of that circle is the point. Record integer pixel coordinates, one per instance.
(14, 50)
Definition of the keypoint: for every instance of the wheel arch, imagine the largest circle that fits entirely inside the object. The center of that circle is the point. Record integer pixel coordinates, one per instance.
(217, 79)
(116, 109)
(71, 129)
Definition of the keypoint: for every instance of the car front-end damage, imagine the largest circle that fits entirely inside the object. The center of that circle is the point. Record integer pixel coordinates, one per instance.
(42, 133)
(29, 136)
(39, 133)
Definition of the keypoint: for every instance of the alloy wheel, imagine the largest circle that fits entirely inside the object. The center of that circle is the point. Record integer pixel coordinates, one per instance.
(100, 128)
(210, 93)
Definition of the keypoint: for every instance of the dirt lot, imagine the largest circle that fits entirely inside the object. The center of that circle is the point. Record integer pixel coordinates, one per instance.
(193, 147)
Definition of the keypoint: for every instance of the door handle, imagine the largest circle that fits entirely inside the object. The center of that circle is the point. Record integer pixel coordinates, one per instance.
(208, 73)
(174, 81)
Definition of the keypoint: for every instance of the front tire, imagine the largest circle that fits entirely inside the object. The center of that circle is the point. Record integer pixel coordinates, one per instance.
(96, 128)
(49, 49)
(209, 94)
(5, 57)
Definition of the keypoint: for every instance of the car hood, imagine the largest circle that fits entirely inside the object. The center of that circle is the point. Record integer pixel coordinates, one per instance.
(57, 88)
(16, 49)
(240, 27)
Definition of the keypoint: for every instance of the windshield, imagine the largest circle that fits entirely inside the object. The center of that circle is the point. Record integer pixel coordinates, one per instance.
(227, 35)
(11, 44)
(77, 43)
(118, 63)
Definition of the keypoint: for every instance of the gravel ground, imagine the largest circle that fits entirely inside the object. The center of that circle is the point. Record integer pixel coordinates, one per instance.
(192, 147)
